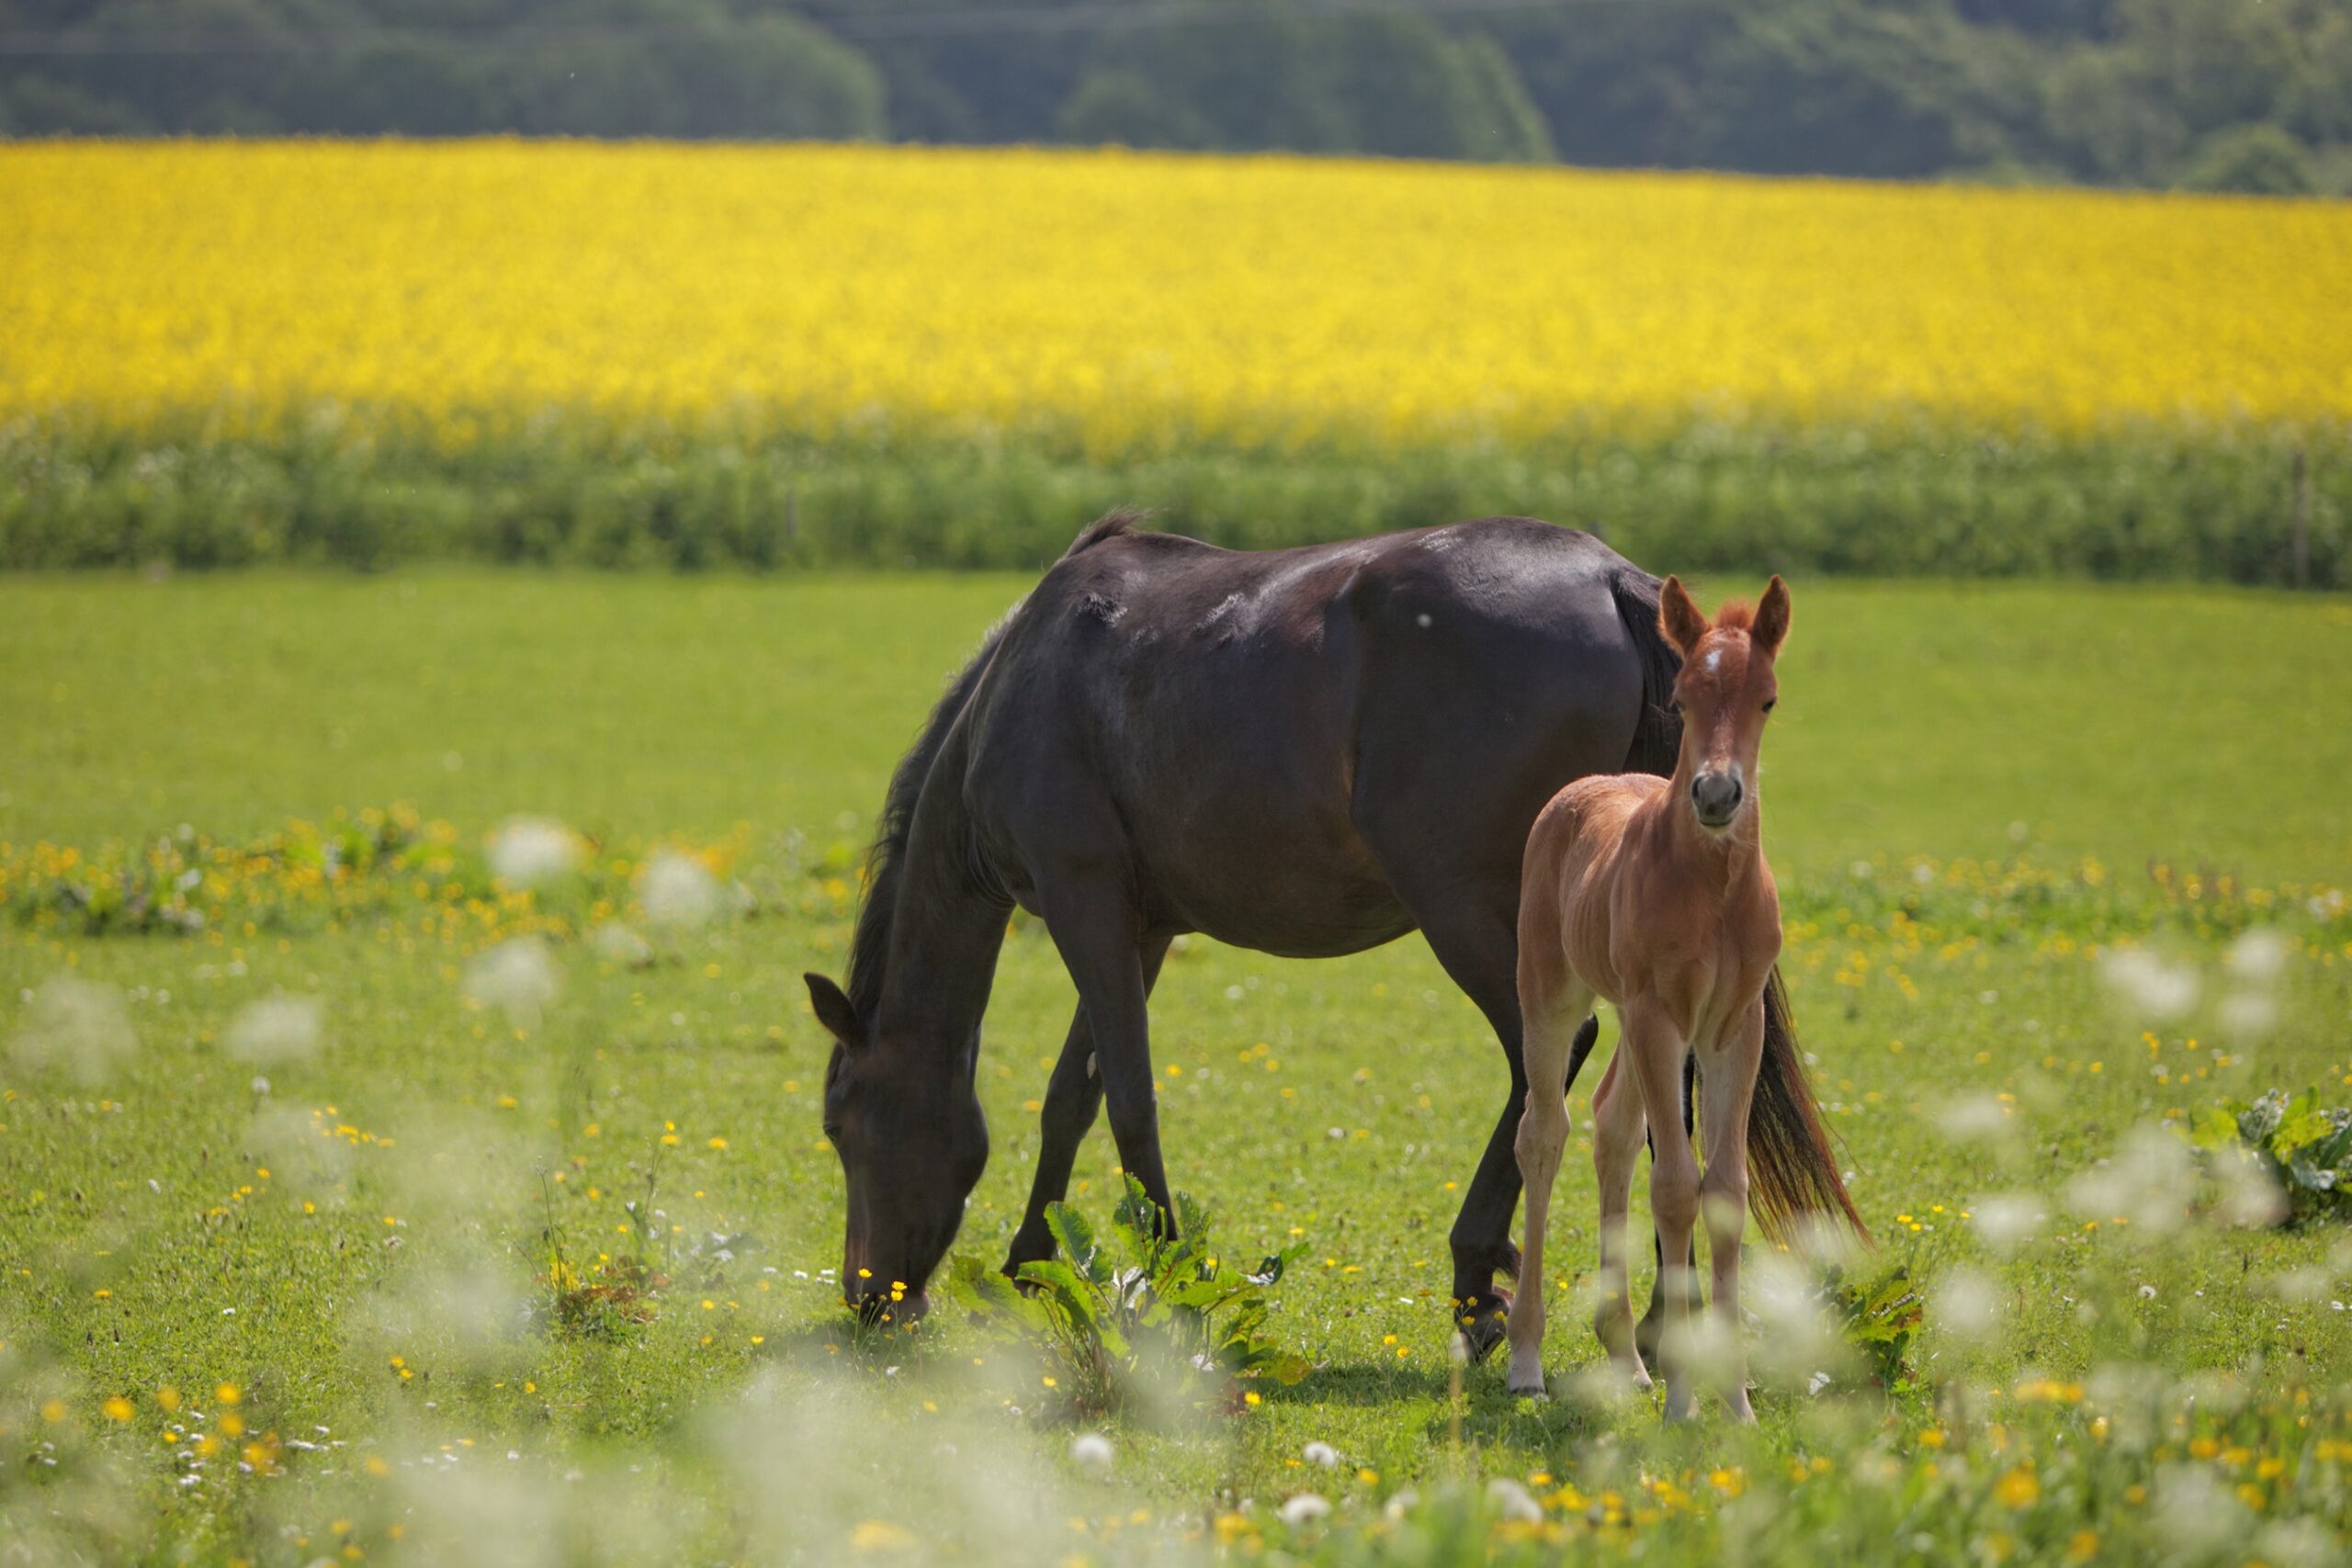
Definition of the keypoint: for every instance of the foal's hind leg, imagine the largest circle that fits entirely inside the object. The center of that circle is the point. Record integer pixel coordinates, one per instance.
(1073, 1097)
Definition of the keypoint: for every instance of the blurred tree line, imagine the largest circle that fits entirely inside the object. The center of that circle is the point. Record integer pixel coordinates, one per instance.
(2240, 95)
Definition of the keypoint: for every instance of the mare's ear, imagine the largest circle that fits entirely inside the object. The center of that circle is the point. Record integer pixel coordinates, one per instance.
(1771, 625)
(832, 1010)
(1679, 618)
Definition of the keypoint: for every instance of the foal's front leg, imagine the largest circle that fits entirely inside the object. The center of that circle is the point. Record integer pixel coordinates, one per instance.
(1730, 1085)
(1653, 1052)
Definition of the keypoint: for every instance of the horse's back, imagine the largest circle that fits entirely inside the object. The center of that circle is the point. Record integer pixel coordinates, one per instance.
(1497, 663)
(1290, 738)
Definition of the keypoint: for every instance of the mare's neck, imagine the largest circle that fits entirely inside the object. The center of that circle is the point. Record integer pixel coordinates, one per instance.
(947, 927)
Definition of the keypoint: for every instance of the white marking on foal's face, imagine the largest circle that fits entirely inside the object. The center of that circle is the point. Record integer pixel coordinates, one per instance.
(1715, 660)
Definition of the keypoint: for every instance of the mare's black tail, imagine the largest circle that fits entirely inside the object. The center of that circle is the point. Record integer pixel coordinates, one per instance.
(1658, 735)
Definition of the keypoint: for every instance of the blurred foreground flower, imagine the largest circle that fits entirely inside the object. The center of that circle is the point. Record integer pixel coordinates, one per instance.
(276, 1029)
(518, 976)
(529, 850)
(74, 1024)
(677, 890)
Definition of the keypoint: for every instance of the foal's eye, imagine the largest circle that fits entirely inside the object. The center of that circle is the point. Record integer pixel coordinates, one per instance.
(1770, 705)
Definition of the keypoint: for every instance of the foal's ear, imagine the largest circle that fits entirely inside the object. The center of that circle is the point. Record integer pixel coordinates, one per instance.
(1678, 618)
(1772, 624)
(833, 1010)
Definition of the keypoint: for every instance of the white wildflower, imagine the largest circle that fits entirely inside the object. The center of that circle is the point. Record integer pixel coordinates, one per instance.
(677, 890)
(529, 850)
(276, 1029)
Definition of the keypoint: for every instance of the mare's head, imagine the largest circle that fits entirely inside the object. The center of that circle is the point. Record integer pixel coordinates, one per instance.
(1724, 693)
(907, 1125)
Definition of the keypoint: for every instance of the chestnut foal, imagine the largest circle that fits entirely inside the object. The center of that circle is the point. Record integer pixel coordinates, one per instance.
(1653, 895)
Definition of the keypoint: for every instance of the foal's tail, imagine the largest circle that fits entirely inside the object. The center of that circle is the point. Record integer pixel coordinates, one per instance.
(1791, 1170)
(1658, 735)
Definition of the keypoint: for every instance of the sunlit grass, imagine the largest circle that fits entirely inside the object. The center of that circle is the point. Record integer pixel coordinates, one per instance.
(340, 1215)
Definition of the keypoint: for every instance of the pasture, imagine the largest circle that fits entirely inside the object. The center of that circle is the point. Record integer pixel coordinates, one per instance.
(277, 1286)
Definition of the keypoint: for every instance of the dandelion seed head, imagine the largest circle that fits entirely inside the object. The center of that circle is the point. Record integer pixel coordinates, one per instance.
(517, 976)
(2146, 984)
(74, 1024)
(276, 1029)
(529, 850)
(2257, 958)
(2007, 1221)
(1966, 1304)
(1513, 1501)
(677, 890)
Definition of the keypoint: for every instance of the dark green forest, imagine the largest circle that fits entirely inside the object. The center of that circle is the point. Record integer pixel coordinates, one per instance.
(2223, 95)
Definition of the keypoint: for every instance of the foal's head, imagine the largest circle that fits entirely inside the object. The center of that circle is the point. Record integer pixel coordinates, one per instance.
(1725, 689)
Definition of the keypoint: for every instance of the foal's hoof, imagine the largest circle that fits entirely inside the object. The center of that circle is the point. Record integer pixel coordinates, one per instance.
(1482, 1320)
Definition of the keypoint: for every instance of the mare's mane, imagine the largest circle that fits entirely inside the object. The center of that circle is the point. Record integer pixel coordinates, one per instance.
(869, 948)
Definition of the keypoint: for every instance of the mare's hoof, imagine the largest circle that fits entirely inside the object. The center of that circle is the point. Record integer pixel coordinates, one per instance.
(1482, 1321)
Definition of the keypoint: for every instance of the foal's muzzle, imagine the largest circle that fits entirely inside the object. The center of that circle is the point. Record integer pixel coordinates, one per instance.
(1716, 795)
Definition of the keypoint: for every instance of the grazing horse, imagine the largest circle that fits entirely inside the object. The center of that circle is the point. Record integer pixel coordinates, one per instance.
(1306, 751)
(1654, 895)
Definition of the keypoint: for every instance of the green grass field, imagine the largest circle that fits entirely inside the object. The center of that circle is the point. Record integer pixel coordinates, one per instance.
(1975, 792)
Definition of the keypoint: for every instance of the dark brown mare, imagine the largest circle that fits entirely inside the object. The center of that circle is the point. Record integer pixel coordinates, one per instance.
(1306, 751)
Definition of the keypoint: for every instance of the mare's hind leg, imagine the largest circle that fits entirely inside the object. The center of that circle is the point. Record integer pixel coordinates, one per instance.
(1618, 1126)
(1073, 1097)
(1653, 1323)
(1552, 1024)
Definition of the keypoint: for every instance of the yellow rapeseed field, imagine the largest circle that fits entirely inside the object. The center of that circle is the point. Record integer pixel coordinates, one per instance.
(1135, 302)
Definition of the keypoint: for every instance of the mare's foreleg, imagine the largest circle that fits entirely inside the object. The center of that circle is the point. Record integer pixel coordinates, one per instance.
(1091, 918)
(1552, 1025)
(1073, 1098)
